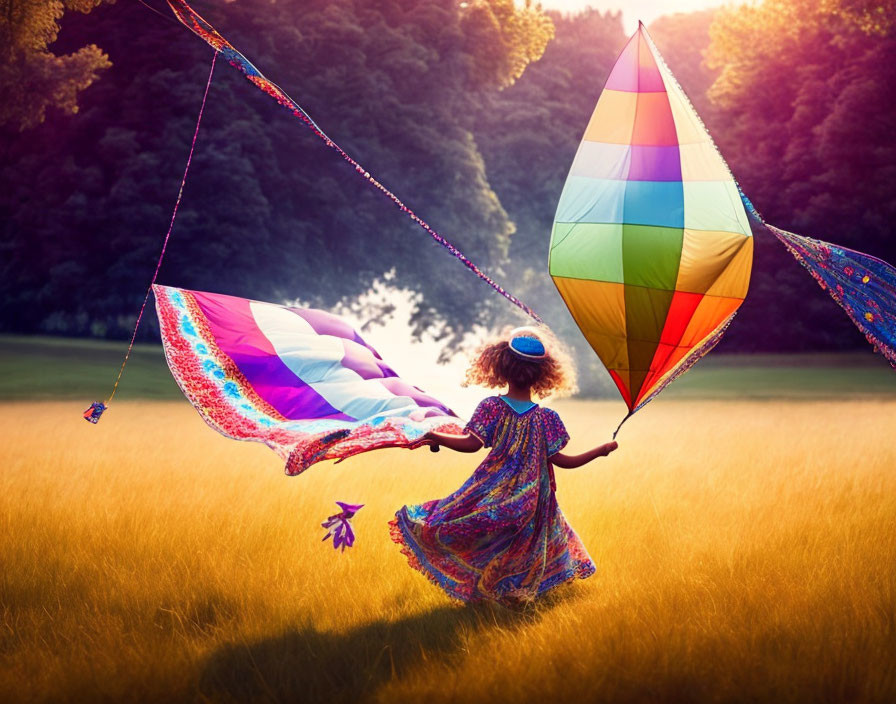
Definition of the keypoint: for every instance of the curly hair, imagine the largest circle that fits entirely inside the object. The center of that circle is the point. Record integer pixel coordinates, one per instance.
(496, 365)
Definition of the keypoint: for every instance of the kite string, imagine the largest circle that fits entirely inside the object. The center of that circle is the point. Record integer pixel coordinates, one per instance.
(618, 427)
(180, 194)
(152, 9)
(423, 224)
(299, 112)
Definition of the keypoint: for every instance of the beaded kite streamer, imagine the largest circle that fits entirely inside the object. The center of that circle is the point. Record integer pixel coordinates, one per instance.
(195, 23)
(862, 285)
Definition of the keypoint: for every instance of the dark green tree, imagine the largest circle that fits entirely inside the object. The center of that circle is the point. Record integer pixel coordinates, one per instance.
(268, 211)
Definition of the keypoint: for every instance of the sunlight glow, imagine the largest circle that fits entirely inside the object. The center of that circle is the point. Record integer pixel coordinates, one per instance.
(633, 10)
(417, 362)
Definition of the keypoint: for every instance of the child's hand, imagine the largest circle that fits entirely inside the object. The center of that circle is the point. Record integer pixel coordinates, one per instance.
(424, 441)
(573, 461)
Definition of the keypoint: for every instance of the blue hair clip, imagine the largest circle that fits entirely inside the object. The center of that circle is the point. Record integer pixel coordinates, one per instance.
(529, 347)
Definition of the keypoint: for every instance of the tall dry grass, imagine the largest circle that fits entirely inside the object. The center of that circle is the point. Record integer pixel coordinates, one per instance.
(746, 552)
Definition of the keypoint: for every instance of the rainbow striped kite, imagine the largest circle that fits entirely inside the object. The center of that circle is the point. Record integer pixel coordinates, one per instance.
(301, 381)
(651, 248)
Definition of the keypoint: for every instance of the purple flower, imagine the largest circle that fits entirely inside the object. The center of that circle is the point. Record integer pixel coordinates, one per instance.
(339, 526)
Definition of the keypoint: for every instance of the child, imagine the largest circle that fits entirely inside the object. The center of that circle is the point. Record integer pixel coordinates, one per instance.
(501, 536)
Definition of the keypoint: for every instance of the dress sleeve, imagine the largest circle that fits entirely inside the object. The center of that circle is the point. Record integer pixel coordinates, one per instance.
(483, 421)
(555, 434)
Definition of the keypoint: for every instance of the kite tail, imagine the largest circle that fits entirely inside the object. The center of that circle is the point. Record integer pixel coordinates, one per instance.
(862, 285)
(92, 414)
(195, 23)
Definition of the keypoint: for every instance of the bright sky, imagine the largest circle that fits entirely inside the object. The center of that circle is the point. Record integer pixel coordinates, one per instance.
(633, 10)
(416, 362)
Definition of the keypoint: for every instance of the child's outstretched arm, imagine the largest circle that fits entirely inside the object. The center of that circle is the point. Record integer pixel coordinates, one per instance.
(573, 461)
(461, 443)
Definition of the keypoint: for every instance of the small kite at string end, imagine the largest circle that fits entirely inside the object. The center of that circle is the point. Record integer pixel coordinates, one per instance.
(339, 525)
(92, 414)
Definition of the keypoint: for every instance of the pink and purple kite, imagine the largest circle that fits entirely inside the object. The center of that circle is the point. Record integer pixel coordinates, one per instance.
(301, 381)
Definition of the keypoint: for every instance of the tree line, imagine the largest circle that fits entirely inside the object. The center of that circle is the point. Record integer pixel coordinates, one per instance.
(471, 112)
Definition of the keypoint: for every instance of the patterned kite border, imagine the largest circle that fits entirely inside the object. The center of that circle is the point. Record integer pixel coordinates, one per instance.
(216, 387)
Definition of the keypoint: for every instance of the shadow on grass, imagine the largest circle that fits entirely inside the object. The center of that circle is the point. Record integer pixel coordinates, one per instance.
(307, 665)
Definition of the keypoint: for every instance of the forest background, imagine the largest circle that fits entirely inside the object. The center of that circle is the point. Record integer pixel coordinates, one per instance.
(470, 111)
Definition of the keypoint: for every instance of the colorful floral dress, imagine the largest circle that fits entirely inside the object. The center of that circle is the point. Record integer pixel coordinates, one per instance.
(501, 536)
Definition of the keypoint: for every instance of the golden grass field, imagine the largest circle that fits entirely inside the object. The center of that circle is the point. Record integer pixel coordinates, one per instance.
(746, 552)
